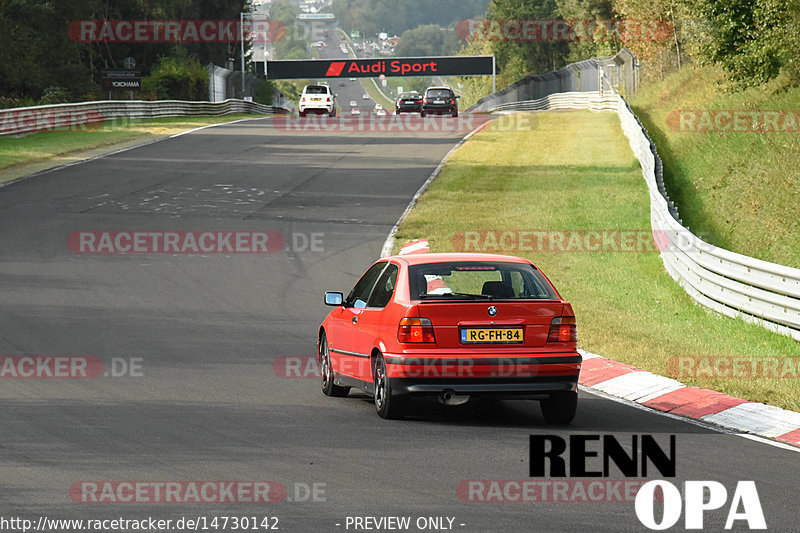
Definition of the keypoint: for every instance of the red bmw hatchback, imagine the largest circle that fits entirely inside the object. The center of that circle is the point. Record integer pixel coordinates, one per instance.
(452, 326)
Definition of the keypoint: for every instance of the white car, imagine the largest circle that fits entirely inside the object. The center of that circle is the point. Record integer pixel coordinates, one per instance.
(355, 111)
(317, 99)
(353, 103)
(365, 96)
(378, 107)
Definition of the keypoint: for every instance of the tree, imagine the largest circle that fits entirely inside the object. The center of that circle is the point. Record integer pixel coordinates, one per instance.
(427, 40)
(36, 51)
(396, 16)
(517, 59)
(751, 40)
(180, 77)
(580, 14)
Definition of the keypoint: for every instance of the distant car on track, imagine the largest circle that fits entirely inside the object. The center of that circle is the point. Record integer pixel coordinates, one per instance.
(365, 96)
(353, 103)
(439, 100)
(408, 102)
(317, 99)
(452, 326)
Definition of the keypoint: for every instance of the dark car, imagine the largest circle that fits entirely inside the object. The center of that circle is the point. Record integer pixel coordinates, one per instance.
(439, 100)
(408, 103)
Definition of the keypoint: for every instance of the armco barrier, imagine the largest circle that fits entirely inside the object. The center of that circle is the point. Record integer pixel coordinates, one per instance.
(38, 118)
(733, 284)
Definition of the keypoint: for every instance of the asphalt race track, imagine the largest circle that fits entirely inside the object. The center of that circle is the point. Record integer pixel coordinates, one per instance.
(203, 331)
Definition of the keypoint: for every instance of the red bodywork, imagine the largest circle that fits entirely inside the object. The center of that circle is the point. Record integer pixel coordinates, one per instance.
(533, 369)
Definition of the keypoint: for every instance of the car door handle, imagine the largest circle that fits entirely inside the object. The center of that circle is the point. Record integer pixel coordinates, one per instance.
(355, 319)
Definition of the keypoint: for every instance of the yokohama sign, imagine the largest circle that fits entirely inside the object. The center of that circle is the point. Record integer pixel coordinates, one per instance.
(389, 67)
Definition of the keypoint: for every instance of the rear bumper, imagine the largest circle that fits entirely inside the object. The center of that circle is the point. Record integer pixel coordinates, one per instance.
(499, 376)
(510, 388)
(317, 109)
(439, 108)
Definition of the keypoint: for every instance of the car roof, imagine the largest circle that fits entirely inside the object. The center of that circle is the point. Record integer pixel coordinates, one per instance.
(439, 88)
(421, 259)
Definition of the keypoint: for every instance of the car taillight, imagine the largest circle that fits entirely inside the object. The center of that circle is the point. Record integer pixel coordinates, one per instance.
(329, 99)
(563, 329)
(303, 99)
(415, 330)
(452, 102)
(424, 100)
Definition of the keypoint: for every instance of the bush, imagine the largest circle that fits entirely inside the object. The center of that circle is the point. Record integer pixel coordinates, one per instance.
(179, 77)
(264, 92)
(55, 95)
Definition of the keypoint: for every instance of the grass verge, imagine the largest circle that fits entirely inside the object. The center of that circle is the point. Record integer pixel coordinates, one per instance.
(575, 171)
(22, 155)
(739, 190)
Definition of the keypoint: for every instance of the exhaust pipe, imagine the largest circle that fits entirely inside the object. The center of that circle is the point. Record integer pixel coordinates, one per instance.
(449, 397)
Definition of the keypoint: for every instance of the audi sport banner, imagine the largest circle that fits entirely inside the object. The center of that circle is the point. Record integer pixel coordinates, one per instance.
(369, 68)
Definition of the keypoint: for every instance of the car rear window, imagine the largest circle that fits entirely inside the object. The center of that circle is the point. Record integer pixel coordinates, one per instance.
(316, 89)
(438, 93)
(409, 95)
(478, 281)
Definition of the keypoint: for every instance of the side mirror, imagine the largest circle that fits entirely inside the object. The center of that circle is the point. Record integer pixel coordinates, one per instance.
(334, 299)
(458, 96)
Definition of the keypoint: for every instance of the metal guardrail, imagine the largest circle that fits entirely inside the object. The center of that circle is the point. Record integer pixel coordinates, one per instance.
(730, 283)
(568, 100)
(70, 116)
(618, 73)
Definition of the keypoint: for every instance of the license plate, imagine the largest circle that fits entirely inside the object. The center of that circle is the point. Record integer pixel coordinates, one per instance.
(438, 101)
(409, 101)
(492, 336)
(316, 99)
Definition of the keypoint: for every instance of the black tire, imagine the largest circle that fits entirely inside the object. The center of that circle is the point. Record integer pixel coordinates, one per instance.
(326, 371)
(560, 407)
(455, 113)
(386, 405)
(302, 114)
(422, 114)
